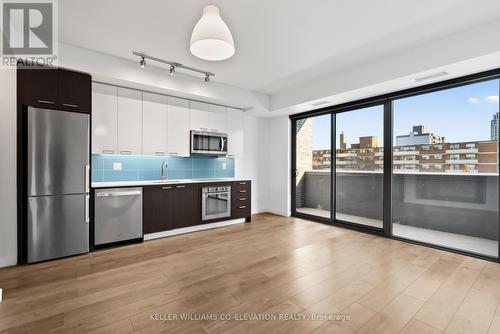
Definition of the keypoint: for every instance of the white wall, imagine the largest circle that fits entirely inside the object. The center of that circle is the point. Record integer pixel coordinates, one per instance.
(278, 166)
(253, 165)
(120, 71)
(8, 191)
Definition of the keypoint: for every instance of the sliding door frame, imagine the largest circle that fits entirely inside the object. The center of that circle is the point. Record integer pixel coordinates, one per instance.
(386, 100)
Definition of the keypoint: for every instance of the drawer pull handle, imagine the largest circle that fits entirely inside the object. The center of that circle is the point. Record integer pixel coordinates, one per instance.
(243, 199)
(242, 191)
(126, 152)
(173, 153)
(243, 183)
(70, 105)
(166, 188)
(46, 102)
(160, 153)
(180, 187)
(243, 207)
(108, 151)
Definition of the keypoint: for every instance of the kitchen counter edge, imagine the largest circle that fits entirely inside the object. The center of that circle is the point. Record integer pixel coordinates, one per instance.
(119, 184)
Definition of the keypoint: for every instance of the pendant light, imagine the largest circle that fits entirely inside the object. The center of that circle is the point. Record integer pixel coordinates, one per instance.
(211, 38)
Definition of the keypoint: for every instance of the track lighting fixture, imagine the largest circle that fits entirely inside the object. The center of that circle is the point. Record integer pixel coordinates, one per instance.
(173, 65)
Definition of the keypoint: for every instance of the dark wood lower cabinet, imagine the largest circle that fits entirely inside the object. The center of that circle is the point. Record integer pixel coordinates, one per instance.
(174, 206)
(170, 206)
(156, 209)
(185, 206)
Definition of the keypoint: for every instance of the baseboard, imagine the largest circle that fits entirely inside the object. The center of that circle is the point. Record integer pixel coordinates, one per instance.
(279, 213)
(7, 261)
(190, 229)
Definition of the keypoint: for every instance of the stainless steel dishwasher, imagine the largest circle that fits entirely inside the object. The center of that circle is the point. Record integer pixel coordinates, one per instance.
(118, 215)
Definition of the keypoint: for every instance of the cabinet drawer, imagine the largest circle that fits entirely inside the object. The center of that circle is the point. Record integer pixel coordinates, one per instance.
(241, 198)
(241, 211)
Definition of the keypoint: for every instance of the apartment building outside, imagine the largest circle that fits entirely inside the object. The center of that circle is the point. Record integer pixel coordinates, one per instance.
(419, 135)
(461, 157)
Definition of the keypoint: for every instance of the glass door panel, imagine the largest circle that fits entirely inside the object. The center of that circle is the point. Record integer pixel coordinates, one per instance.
(359, 166)
(445, 161)
(313, 166)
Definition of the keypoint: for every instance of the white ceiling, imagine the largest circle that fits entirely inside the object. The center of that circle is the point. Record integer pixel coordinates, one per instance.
(279, 43)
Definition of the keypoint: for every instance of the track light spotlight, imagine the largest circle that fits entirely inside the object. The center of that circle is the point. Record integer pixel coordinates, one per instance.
(173, 65)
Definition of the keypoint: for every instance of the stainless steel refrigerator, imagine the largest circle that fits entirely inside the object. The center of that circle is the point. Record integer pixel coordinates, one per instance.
(58, 183)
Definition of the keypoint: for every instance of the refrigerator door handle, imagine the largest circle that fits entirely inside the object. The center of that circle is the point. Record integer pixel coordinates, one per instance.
(87, 179)
(87, 209)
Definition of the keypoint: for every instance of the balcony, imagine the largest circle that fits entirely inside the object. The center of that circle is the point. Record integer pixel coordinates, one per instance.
(406, 162)
(399, 153)
(462, 151)
(457, 210)
(462, 161)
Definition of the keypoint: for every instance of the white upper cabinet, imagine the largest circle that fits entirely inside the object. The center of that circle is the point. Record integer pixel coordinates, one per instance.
(217, 121)
(154, 124)
(129, 121)
(235, 133)
(104, 119)
(207, 117)
(200, 116)
(178, 136)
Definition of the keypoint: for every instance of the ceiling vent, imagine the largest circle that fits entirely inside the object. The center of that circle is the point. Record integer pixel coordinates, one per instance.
(430, 76)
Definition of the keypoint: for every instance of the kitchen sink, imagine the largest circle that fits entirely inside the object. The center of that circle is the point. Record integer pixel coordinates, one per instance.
(166, 181)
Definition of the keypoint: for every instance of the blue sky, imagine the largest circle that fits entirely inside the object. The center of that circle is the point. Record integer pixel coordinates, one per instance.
(459, 114)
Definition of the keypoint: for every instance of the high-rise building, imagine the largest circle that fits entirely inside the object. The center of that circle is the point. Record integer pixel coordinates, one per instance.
(419, 136)
(495, 127)
(368, 141)
(343, 141)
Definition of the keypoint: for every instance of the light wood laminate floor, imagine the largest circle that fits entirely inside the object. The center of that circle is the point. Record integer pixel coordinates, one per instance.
(272, 267)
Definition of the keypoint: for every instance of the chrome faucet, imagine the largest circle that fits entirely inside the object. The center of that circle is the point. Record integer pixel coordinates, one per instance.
(163, 169)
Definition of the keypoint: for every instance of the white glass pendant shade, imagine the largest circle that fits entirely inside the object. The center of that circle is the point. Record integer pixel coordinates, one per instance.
(211, 38)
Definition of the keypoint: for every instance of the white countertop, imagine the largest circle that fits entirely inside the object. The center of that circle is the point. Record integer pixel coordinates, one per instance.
(159, 182)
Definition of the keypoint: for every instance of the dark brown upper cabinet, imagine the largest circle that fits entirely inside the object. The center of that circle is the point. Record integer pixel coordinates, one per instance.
(74, 91)
(39, 87)
(55, 88)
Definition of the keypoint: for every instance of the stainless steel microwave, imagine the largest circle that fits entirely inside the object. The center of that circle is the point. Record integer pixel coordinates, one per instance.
(209, 143)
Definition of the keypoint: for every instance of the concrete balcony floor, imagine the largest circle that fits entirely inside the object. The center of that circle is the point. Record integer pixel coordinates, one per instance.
(450, 240)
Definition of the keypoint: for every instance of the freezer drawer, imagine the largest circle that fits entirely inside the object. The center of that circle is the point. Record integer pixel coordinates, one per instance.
(57, 226)
(118, 215)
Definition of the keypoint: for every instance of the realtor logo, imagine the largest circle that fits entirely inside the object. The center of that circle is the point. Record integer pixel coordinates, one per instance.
(28, 32)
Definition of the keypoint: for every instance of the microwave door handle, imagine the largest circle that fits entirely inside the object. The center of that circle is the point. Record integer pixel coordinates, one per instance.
(221, 144)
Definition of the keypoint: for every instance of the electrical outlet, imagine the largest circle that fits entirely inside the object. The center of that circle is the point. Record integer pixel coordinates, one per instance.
(117, 166)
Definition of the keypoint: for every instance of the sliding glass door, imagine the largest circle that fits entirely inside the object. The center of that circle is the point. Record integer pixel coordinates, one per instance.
(313, 163)
(359, 166)
(445, 177)
(420, 165)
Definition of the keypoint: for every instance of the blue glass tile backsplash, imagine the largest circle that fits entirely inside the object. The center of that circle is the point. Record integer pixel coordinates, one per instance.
(139, 168)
